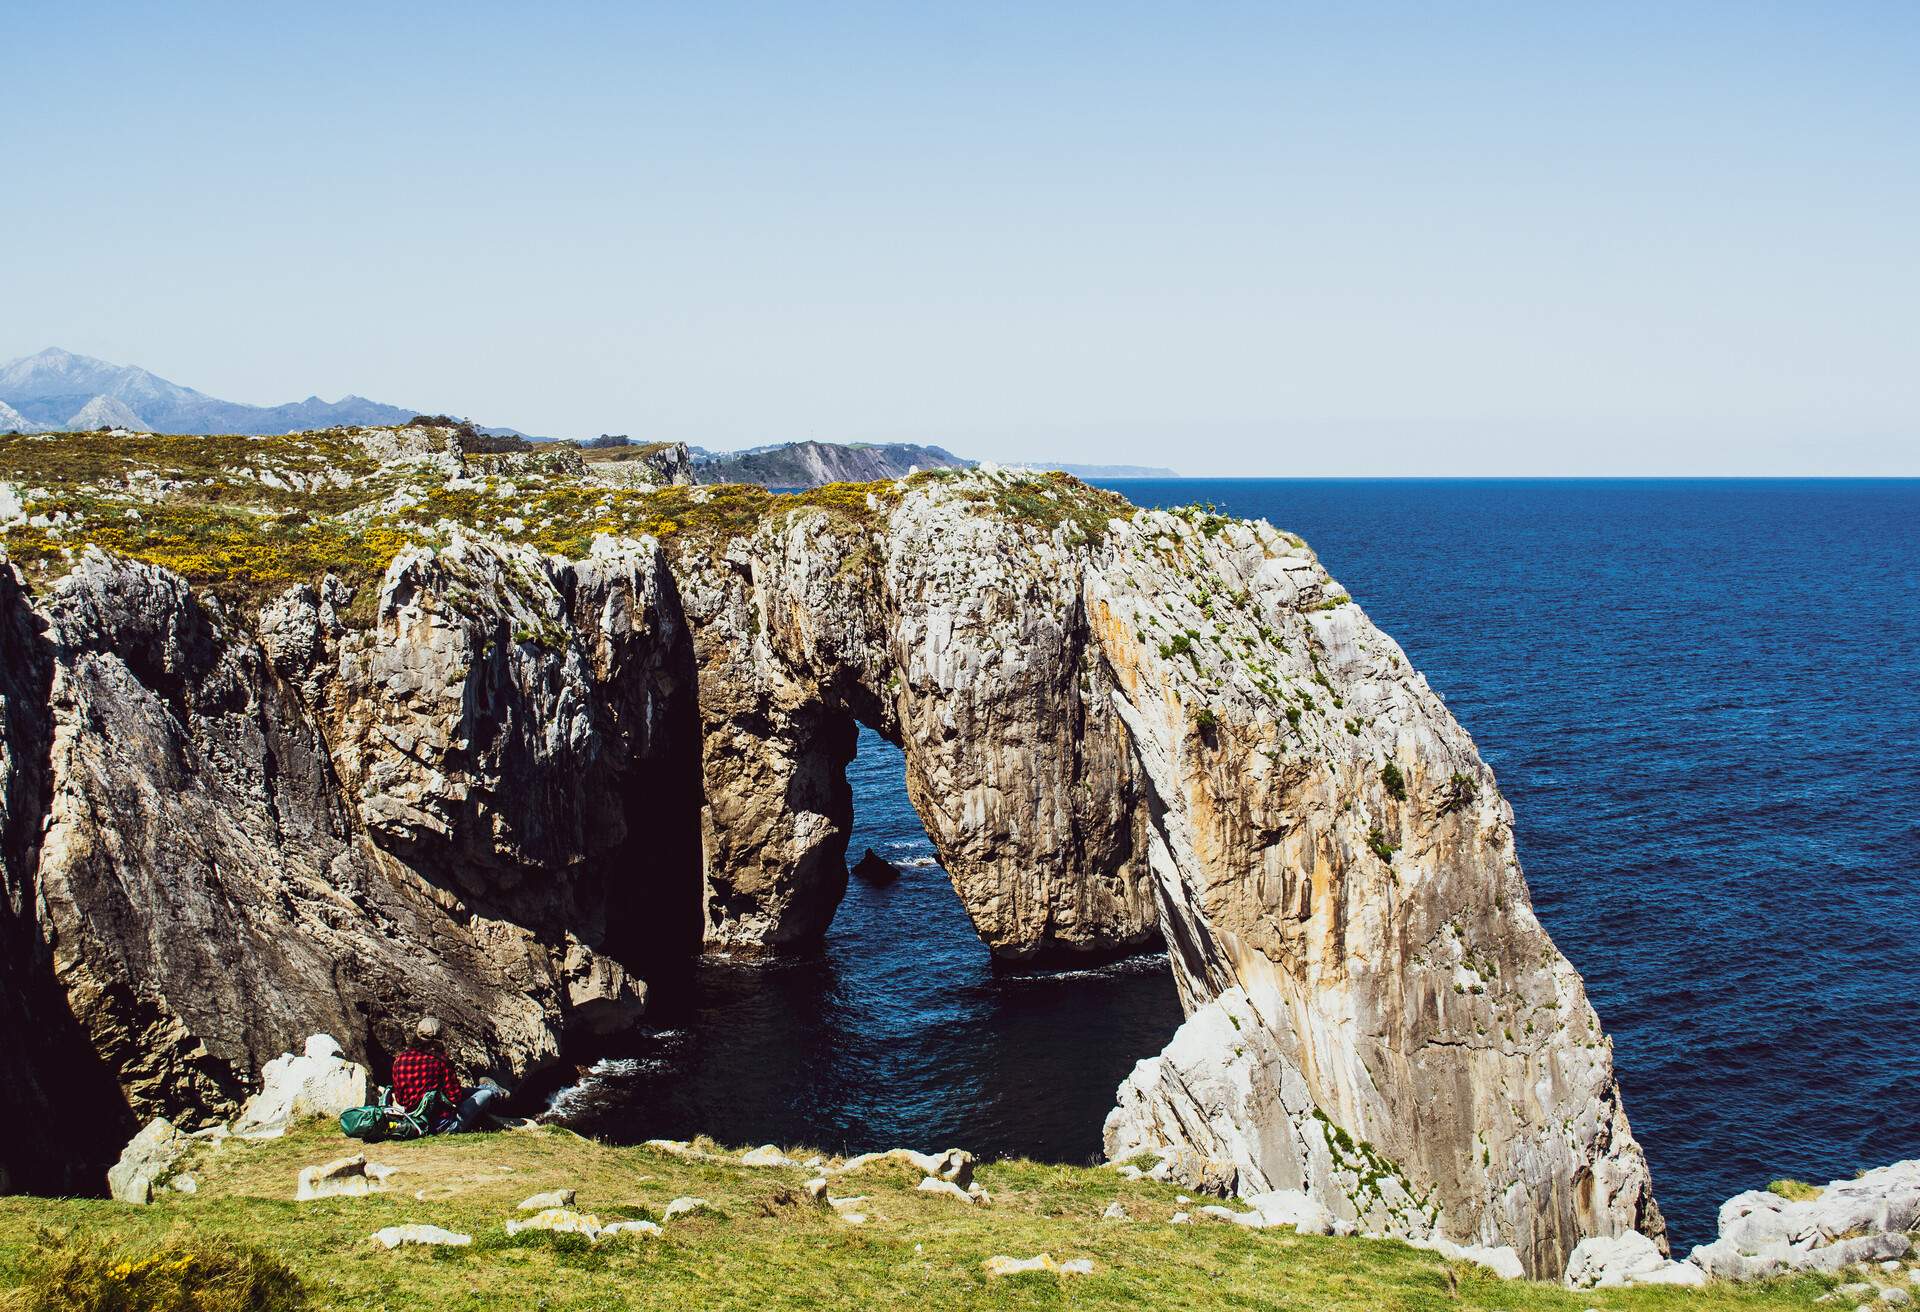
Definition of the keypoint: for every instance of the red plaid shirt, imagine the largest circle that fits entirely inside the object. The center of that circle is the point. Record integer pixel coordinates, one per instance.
(416, 1073)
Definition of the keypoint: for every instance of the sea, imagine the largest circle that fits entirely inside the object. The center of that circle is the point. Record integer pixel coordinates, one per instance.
(1702, 698)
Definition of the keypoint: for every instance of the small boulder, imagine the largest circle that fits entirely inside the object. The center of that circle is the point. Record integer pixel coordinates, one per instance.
(684, 1207)
(1283, 1207)
(1503, 1261)
(949, 1189)
(1116, 1211)
(875, 869)
(1616, 1261)
(674, 1148)
(147, 1161)
(396, 1235)
(547, 1201)
(345, 1177)
(1197, 1171)
(766, 1155)
(1077, 1266)
(1002, 1265)
(816, 1188)
(559, 1220)
(643, 1229)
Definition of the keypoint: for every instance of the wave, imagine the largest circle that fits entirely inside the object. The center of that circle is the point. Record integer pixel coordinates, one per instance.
(1144, 963)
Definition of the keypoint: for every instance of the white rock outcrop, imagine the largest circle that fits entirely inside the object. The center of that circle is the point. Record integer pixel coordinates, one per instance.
(1867, 1219)
(318, 1082)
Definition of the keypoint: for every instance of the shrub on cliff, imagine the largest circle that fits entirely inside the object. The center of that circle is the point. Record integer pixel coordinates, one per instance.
(203, 1275)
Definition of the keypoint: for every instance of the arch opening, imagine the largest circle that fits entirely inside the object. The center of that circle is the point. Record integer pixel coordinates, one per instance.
(893, 1028)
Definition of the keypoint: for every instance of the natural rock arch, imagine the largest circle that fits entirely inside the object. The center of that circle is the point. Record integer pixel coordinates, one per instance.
(533, 780)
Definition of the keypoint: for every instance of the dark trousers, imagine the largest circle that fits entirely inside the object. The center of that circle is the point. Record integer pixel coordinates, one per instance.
(472, 1108)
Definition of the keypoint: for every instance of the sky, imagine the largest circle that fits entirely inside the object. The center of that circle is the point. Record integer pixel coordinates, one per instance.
(1304, 239)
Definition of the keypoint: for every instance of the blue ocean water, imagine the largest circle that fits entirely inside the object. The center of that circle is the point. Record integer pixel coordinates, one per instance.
(1702, 699)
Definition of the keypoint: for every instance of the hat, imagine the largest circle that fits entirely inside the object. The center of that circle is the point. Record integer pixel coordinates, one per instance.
(428, 1029)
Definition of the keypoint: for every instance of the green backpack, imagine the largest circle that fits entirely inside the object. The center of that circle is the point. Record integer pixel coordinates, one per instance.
(383, 1119)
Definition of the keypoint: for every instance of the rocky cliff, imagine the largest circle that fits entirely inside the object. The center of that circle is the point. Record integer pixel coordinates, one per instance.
(815, 464)
(348, 721)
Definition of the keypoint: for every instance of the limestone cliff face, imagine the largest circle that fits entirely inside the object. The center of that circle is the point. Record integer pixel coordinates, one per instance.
(1376, 1016)
(254, 831)
(515, 785)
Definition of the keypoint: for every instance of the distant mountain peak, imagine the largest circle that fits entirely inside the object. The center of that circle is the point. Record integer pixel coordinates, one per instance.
(104, 412)
(58, 388)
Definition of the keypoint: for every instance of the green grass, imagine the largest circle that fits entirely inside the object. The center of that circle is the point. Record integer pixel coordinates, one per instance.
(758, 1249)
(1795, 1191)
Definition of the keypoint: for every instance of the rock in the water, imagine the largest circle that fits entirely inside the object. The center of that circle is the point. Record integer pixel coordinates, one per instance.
(394, 1236)
(147, 1161)
(875, 869)
(319, 1082)
(547, 1201)
(348, 1177)
(1612, 1261)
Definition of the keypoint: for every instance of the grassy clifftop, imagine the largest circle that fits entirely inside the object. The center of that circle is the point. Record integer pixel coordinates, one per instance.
(247, 517)
(761, 1244)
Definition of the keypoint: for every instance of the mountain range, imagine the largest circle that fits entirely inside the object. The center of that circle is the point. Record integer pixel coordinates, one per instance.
(59, 391)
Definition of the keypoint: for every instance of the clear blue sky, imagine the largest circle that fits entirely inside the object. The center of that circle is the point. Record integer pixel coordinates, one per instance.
(1274, 238)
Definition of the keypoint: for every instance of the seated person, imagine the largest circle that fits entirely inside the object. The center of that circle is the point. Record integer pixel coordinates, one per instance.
(422, 1068)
